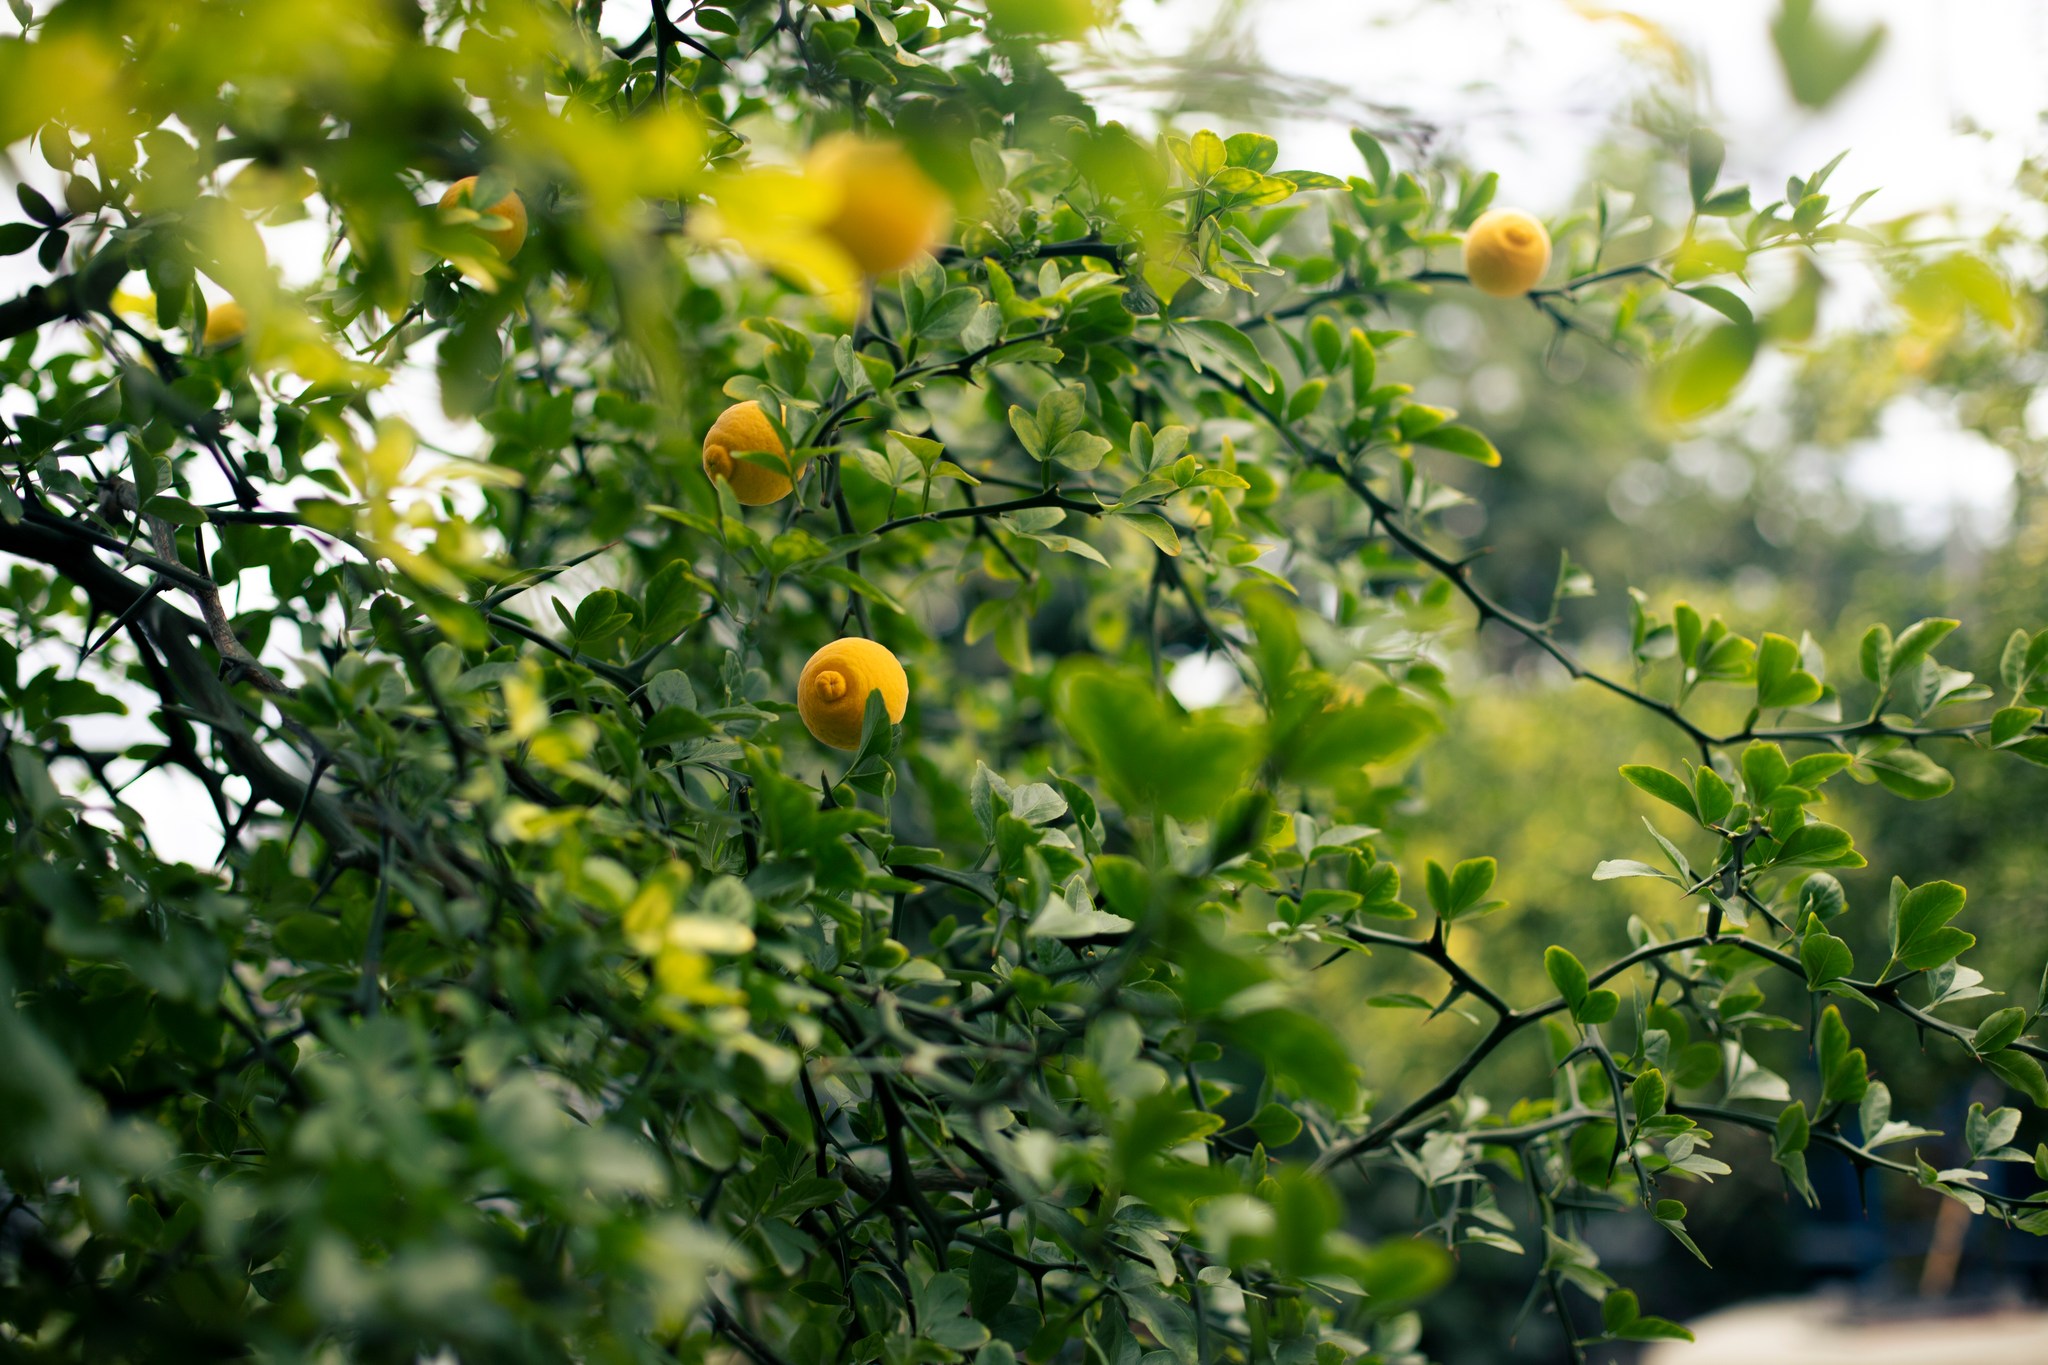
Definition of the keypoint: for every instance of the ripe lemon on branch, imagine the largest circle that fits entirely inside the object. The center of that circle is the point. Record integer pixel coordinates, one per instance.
(1506, 252)
(744, 429)
(226, 322)
(511, 208)
(888, 210)
(832, 694)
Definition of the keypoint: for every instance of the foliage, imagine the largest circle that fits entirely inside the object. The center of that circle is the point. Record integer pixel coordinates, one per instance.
(554, 997)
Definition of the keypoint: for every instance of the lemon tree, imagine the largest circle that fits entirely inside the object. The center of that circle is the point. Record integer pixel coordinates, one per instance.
(639, 574)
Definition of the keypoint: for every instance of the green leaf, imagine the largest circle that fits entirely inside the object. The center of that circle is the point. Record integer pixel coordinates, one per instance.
(1705, 374)
(1921, 936)
(1125, 727)
(1566, 973)
(1276, 1125)
(1205, 155)
(1470, 880)
(1304, 1055)
(1375, 156)
(1722, 301)
(2022, 1073)
(1663, 786)
(36, 206)
(1819, 58)
(1599, 1007)
(1704, 153)
(1080, 450)
(1402, 1270)
(1812, 770)
(1154, 528)
(673, 725)
(1461, 891)
(1618, 1310)
(949, 313)
(1655, 1329)
(1845, 1073)
(1234, 346)
(991, 1283)
(1061, 919)
(1764, 770)
(1309, 180)
(1475, 200)
(1613, 869)
(877, 735)
(1987, 1134)
(1713, 796)
(671, 600)
(1335, 743)
(1326, 342)
(1460, 440)
(1999, 1030)
(1238, 827)
(1647, 1095)
(2012, 662)
(1416, 418)
(1026, 427)
(1875, 655)
(1917, 641)
(2012, 723)
(1364, 366)
(1792, 1130)
(1821, 897)
(1305, 399)
(1818, 845)
(1780, 682)
(1253, 151)
(1670, 1215)
(1825, 958)
(1060, 414)
(1727, 204)
(16, 238)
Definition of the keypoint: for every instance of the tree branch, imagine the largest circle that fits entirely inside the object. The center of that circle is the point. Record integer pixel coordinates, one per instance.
(1387, 517)
(1512, 1021)
(200, 691)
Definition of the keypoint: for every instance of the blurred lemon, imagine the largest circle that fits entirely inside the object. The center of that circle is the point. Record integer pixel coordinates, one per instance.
(888, 210)
(832, 694)
(226, 322)
(511, 208)
(1506, 252)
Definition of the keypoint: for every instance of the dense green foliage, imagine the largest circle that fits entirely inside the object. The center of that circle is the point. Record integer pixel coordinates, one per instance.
(555, 997)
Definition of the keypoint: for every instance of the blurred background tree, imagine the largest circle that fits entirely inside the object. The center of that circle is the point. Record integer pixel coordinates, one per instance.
(1892, 461)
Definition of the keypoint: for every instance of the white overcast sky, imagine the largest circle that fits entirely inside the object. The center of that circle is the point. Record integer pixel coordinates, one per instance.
(1528, 87)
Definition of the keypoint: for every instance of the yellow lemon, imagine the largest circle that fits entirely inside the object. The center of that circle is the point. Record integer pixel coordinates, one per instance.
(832, 694)
(226, 321)
(740, 429)
(889, 212)
(1506, 252)
(511, 208)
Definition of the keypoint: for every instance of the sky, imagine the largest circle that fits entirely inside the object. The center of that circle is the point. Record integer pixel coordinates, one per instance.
(1530, 87)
